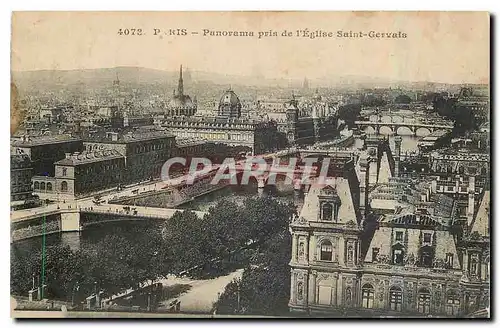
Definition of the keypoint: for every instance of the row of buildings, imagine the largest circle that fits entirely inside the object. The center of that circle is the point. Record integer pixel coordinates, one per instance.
(117, 148)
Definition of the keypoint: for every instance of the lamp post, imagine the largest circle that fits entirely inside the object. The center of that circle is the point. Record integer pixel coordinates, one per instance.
(238, 297)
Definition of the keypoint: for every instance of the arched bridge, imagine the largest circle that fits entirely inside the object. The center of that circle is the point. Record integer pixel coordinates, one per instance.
(413, 126)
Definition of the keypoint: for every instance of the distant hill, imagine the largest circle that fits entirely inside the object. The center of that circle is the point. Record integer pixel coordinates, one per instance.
(48, 79)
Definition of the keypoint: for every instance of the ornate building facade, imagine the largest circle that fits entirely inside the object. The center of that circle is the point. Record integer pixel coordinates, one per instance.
(257, 136)
(405, 259)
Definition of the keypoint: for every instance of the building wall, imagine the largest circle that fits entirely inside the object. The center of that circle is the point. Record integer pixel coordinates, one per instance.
(89, 177)
(229, 137)
(21, 173)
(143, 158)
(44, 156)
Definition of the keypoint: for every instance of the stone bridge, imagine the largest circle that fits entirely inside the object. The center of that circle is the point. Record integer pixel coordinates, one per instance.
(76, 217)
(412, 126)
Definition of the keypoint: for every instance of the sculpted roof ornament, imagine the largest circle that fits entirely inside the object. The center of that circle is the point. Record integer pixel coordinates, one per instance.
(299, 220)
(351, 223)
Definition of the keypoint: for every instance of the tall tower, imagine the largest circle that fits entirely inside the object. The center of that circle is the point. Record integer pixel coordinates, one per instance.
(180, 86)
(292, 116)
(305, 84)
(116, 82)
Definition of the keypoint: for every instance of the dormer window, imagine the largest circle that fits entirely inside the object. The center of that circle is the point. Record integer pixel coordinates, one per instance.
(329, 203)
(449, 260)
(327, 212)
(375, 252)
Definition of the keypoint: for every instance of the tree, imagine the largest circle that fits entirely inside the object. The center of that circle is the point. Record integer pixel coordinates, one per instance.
(349, 113)
(226, 228)
(264, 288)
(266, 216)
(372, 101)
(184, 235)
(462, 116)
(402, 99)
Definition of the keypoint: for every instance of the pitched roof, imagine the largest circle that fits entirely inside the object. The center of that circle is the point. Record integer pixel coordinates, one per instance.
(480, 223)
(90, 157)
(342, 188)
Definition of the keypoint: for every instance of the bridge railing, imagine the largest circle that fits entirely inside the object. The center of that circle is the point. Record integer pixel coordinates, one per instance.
(163, 213)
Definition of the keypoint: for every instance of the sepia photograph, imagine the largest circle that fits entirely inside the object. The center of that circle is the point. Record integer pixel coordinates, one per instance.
(250, 165)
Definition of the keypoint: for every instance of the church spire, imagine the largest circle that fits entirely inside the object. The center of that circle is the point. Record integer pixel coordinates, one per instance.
(180, 86)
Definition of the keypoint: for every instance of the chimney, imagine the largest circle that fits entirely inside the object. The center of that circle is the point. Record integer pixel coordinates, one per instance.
(470, 205)
(434, 186)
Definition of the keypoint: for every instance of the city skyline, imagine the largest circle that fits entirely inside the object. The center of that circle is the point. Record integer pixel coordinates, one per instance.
(47, 41)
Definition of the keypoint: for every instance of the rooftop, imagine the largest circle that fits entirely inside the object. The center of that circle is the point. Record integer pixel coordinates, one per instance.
(19, 160)
(27, 141)
(186, 142)
(89, 157)
(211, 120)
(129, 137)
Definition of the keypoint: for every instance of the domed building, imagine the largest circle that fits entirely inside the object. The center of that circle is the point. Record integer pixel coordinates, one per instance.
(229, 105)
(181, 104)
(226, 127)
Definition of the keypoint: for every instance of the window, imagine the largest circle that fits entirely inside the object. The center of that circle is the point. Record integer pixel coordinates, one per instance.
(427, 237)
(452, 303)
(367, 294)
(49, 186)
(300, 291)
(426, 256)
(424, 301)
(64, 186)
(399, 235)
(42, 185)
(375, 252)
(327, 212)
(64, 171)
(397, 255)
(449, 260)
(36, 185)
(326, 251)
(395, 298)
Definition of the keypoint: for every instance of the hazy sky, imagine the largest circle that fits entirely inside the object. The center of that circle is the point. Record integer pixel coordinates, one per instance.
(448, 47)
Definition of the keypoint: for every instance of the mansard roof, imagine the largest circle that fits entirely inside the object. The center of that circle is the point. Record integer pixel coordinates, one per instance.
(415, 219)
(481, 221)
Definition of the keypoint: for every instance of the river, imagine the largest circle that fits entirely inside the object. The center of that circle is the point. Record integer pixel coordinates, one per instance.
(93, 234)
